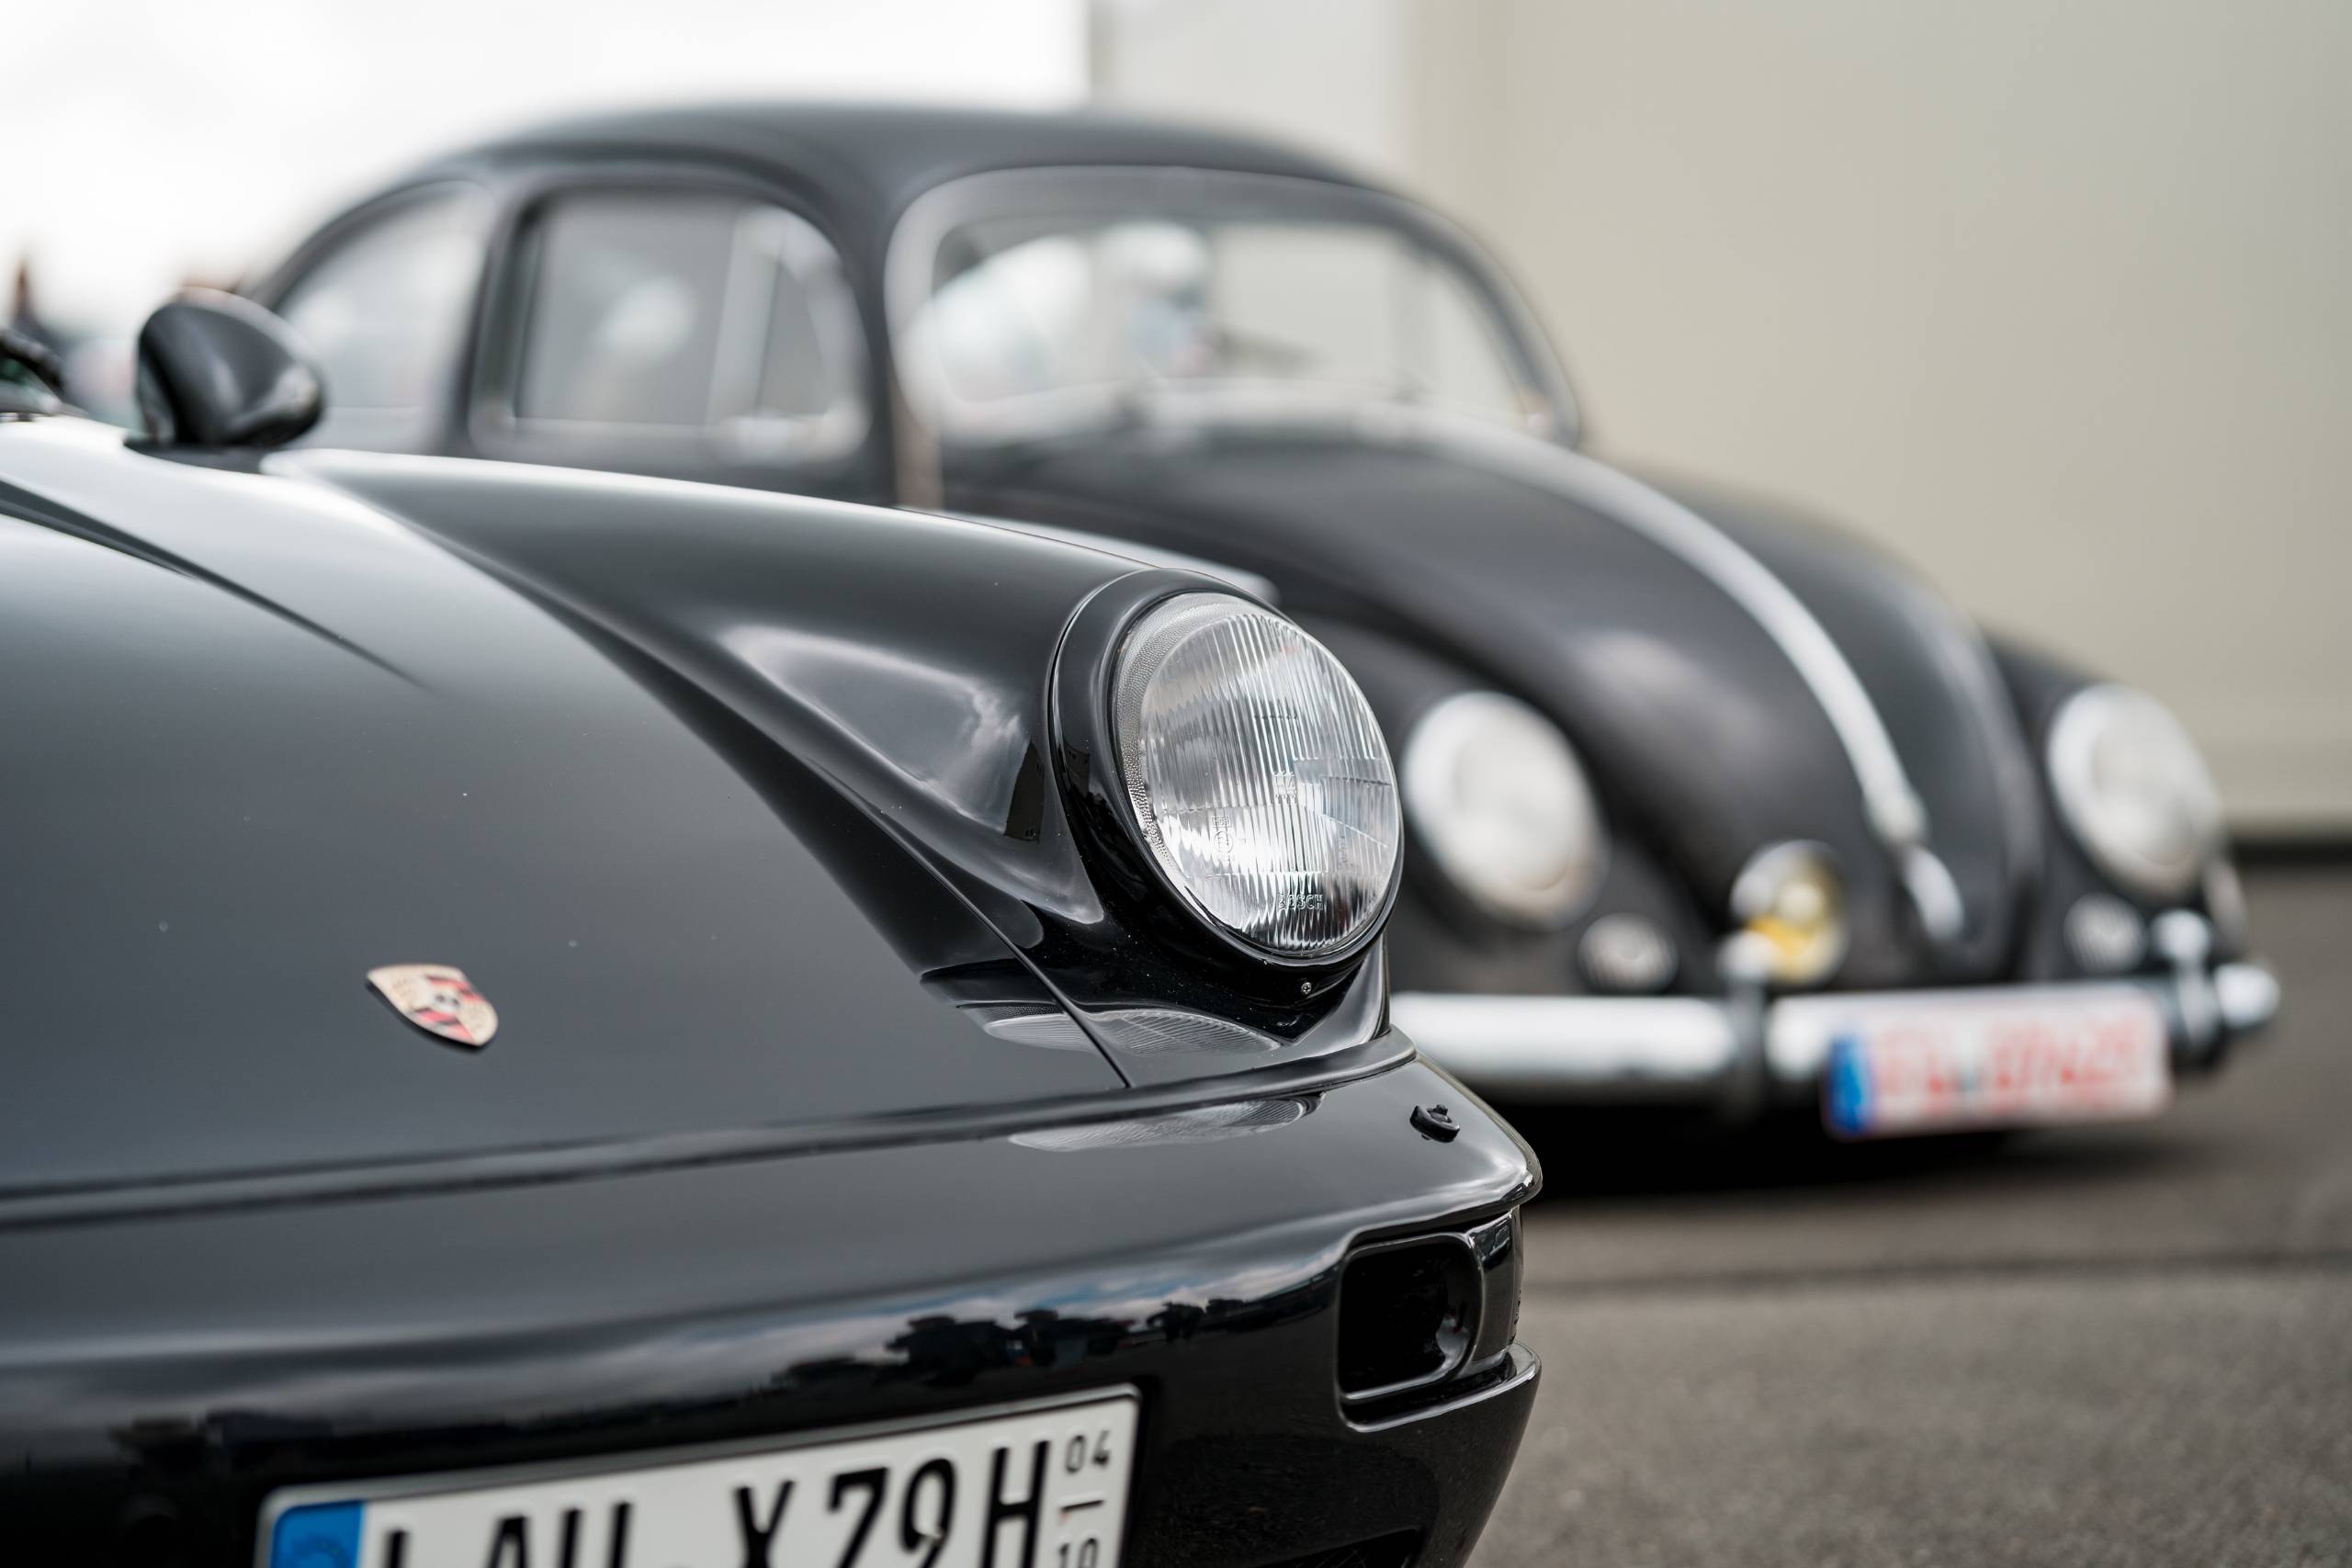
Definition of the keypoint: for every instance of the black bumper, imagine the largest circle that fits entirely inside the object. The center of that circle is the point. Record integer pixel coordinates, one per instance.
(161, 1373)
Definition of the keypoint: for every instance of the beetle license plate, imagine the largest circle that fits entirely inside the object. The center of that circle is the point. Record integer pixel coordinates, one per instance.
(1950, 1061)
(1042, 1486)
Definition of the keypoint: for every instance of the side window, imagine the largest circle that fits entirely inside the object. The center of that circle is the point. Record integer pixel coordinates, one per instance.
(384, 312)
(1466, 361)
(688, 315)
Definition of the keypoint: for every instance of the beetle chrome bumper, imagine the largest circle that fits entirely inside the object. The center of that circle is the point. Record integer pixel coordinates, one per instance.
(1739, 1052)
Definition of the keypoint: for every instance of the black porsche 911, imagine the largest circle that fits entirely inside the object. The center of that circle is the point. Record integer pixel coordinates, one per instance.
(1705, 806)
(561, 1020)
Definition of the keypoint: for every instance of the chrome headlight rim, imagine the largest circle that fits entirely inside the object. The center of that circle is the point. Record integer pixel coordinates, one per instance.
(1431, 751)
(2082, 721)
(1122, 862)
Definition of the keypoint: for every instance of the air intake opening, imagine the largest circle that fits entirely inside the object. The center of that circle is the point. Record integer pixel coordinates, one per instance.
(1408, 1314)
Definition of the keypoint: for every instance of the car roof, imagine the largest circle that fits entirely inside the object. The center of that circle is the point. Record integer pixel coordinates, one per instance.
(876, 158)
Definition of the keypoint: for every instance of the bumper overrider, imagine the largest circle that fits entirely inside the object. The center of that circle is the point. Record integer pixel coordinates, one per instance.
(1742, 1053)
(178, 1363)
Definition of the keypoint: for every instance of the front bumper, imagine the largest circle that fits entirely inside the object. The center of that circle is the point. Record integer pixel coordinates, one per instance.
(165, 1366)
(1741, 1054)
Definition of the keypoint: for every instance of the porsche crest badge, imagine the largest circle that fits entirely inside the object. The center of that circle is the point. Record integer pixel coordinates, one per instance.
(439, 1000)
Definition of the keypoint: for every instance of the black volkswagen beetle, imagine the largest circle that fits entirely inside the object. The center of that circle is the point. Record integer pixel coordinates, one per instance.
(562, 1021)
(1705, 805)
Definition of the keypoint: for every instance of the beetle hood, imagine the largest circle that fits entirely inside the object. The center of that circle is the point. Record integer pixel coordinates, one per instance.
(731, 804)
(1706, 735)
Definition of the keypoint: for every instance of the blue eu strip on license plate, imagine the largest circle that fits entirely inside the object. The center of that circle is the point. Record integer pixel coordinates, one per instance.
(1846, 1096)
(324, 1535)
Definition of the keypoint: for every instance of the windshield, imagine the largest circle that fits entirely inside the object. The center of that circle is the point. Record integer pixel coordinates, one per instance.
(1139, 293)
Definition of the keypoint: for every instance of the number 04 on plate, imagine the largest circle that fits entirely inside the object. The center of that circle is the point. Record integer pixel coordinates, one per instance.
(1040, 1485)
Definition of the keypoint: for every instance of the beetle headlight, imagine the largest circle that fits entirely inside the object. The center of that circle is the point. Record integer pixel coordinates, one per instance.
(1497, 794)
(2133, 790)
(1257, 775)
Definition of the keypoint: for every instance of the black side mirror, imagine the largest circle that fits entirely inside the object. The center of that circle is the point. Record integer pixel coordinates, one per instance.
(216, 371)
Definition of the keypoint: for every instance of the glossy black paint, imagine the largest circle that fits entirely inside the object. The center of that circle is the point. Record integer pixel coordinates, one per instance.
(1706, 743)
(1428, 566)
(215, 372)
(644, 760)
(1713, 743)
(162, 1375)
(1937, 684)
(748, 813)
(228, 806)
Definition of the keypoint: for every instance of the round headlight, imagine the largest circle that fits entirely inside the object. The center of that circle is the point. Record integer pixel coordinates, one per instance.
(1257, 775)
(2133, 790)
(1497, 794)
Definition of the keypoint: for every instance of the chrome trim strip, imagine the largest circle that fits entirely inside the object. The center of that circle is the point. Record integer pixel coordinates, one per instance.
(1943, 914)
(1896, 814)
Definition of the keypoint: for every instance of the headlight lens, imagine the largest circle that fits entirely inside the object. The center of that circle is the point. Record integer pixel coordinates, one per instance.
(1498, 796)
(2133, 790)
(1256, 773)
(1791, 903)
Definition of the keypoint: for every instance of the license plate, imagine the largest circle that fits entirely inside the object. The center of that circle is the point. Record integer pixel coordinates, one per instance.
(1952, 1061)
(1041, 1487)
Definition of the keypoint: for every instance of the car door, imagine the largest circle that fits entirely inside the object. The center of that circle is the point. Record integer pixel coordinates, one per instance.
(384, 300)
(678, 325)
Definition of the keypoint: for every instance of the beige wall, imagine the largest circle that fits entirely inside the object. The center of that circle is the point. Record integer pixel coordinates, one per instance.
(2054, 297)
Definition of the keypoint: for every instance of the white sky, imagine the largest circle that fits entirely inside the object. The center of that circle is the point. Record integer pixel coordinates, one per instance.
(144, 141)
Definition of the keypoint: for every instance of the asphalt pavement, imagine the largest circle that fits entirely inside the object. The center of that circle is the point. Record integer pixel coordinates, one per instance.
(2119, 1344)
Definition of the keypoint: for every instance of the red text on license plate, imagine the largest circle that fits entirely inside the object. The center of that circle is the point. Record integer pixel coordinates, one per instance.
(1944, 1063)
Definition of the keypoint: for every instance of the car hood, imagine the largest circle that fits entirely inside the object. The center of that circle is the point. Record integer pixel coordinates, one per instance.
(1524, 563)
(706, 791)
